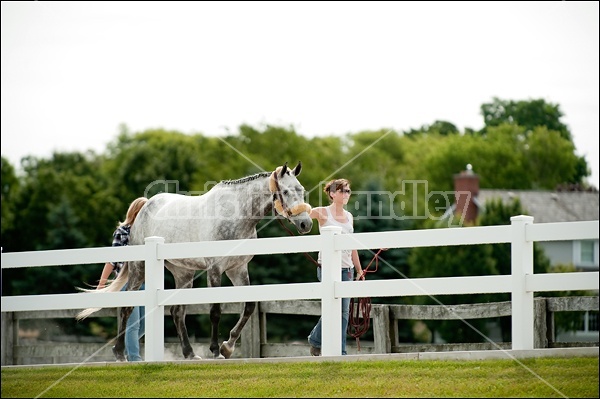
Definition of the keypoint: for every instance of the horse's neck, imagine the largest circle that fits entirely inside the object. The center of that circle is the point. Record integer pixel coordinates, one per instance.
(253, 198)
(260, 198)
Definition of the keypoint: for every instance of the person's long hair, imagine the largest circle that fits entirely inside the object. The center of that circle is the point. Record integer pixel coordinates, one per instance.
(133, 210)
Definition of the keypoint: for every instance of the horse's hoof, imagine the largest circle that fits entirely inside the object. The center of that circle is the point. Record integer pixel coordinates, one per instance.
(118, 356)
(192, 356)
(226, 350)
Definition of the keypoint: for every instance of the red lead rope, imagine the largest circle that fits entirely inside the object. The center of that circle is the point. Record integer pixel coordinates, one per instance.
(360, 312)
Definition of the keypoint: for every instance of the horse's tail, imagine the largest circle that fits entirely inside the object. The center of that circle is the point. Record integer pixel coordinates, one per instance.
(114, 286)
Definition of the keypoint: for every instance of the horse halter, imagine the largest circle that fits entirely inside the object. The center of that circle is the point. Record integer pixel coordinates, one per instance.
(278, 202)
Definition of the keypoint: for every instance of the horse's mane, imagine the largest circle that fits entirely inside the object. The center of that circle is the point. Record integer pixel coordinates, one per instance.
(246, 179)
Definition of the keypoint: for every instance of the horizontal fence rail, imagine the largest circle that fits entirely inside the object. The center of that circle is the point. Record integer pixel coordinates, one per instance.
(521, 283)
(385, 321)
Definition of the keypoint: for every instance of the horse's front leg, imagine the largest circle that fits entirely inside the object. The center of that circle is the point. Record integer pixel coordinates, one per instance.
(119, 348)
(238, 277)
(228, 346)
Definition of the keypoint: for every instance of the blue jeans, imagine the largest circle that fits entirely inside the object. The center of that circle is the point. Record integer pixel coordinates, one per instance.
(314, 339)
(136, 327)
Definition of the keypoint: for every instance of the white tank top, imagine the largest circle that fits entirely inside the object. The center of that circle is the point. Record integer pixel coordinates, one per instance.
(347, 228)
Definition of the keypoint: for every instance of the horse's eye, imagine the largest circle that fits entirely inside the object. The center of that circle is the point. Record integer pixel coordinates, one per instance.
(285, 192)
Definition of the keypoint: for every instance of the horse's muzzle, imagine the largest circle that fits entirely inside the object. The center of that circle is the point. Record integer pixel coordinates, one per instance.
(303, 222)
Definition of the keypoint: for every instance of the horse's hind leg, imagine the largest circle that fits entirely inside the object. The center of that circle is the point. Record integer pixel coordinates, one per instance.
(119, 348)
(214, 280)
(238, 277)
(183, 279)
(178, 314)
(215, 318)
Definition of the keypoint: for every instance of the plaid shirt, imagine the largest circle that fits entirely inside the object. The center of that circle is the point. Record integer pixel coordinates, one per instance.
(120, 239)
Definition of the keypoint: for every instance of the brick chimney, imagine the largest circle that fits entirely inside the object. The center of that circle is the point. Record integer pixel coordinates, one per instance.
(464, 183)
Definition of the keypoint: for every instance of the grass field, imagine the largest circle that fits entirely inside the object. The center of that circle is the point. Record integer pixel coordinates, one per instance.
(542, 377)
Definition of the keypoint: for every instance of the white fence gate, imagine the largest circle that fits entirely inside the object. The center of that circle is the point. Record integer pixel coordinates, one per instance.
(521, 283)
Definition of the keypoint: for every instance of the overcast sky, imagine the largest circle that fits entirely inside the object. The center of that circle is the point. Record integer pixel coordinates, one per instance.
(72, 72)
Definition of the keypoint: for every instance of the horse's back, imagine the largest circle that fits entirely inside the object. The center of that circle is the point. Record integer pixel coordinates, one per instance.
(175, 217)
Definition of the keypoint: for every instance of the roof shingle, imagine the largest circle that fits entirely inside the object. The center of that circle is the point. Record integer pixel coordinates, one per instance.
(550, 206)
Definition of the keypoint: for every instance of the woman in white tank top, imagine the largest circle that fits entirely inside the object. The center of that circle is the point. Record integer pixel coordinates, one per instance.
(338, 192)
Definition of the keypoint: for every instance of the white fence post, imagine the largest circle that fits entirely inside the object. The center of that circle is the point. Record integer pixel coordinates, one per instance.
(331, 307)
(154, 341)
(522, 300)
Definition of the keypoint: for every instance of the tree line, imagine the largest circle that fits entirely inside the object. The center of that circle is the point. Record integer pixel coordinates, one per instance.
(75, 199)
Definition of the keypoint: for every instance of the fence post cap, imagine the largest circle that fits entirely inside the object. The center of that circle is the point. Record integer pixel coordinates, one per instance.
(333, 229)
(154, 239)
(522, 218)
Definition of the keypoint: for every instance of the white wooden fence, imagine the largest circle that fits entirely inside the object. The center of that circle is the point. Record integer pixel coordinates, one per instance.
(521, 283)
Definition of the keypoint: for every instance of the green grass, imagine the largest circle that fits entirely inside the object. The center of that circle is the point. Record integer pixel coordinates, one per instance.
(542, 377)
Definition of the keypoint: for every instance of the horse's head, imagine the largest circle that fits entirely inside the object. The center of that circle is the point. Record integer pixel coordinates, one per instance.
(288, 197)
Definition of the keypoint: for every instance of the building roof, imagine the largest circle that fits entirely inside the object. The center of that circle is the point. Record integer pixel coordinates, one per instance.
(549, 206)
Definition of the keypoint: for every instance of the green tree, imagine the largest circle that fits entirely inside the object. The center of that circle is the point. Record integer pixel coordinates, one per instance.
(529, 114)
(550, 159)
(273, 146)
(500, 158)
(442, 128)
(153, 161)
(66, 179)
(506, 157)
(10, 189)
(371, 156)
(62, 204)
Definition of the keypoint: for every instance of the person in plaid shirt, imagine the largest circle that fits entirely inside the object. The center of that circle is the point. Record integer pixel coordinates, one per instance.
(135, 325)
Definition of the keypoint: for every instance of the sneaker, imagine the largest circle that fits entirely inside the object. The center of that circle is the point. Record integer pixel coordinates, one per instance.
(315, 351)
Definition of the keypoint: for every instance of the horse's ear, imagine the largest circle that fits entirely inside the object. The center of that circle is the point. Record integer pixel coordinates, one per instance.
(298, 168)
(283, 169)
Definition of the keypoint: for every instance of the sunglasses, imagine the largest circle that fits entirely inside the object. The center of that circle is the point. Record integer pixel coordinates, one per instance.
(345, 190)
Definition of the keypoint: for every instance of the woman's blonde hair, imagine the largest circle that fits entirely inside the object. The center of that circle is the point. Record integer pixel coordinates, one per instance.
(334, 185)
(133, 210)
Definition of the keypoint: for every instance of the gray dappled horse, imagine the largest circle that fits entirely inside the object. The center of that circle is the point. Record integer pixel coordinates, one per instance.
(229, 211)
